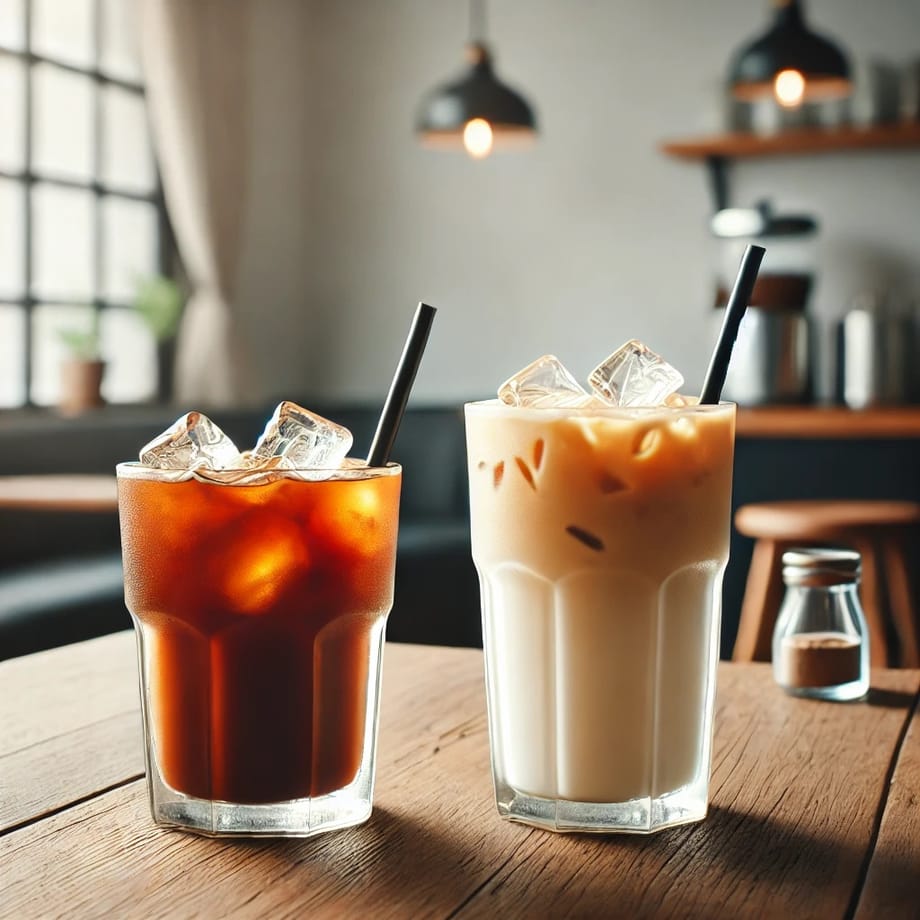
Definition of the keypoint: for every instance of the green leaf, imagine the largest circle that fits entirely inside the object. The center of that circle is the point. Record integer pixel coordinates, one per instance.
(84, 344)
(159, 302)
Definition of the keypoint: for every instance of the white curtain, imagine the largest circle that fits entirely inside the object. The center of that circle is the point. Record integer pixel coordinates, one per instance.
(196, 69)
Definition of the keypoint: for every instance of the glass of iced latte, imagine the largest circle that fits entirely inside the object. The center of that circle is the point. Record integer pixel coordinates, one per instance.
(600, 531)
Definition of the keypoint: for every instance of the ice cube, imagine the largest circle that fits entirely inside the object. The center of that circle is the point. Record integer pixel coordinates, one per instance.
(253, 563)
(635, 376)
(295, 438)
(544, 383)
(191, 442)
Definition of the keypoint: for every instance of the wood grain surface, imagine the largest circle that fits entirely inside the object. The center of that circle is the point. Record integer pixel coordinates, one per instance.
(893, 881)
(69, 726)
(798, 789)
(51, 693)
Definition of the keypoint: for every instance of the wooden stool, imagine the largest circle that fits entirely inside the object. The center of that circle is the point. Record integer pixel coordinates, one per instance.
(875, 529)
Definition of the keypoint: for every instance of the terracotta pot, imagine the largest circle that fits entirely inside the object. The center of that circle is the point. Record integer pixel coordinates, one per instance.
(81, 383)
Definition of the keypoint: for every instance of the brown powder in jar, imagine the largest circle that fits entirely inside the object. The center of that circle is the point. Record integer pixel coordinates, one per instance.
(819, 659)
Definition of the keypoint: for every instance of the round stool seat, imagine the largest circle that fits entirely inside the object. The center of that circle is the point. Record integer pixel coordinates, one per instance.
(814, 520)
(877, 530)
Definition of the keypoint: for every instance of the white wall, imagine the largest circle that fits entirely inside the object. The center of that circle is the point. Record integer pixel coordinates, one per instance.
(591, 238)
(273, 281)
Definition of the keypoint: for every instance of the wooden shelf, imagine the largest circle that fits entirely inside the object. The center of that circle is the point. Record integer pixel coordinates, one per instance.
(812, 141)
(816, 422)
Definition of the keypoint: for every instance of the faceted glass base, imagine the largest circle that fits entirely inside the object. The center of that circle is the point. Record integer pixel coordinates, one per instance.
(296, 818)
(638, 816)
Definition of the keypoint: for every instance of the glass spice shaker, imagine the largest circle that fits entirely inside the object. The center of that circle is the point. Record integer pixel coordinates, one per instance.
(821, 643)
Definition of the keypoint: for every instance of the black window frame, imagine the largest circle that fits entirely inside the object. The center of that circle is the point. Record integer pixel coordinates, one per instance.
(27, 178)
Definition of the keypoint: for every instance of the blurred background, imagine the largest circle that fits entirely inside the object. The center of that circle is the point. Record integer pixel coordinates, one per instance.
(294, 124)
(219, 203)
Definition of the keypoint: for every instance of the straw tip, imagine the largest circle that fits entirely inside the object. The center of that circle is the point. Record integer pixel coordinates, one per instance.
(734, 313)
(398, 396)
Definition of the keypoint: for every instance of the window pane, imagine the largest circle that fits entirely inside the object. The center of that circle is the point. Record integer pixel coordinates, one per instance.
(120, 54)
(63, 30)
(48, 349)
(62, 243)
(12, 226)
(62, 126)
(127, 161)
(130, 253)
(130, 352)
(12, 356)
(12, 24)
(12, 113)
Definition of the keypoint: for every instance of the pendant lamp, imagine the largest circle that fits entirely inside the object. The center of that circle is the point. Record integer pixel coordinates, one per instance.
(477, 113)
(790, 62)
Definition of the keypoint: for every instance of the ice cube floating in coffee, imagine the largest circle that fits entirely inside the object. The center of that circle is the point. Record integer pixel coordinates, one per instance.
(633, 376)
(294, 439)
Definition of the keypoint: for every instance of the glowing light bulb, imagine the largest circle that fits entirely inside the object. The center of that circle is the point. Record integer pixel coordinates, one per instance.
(789, 88)
(477, 138)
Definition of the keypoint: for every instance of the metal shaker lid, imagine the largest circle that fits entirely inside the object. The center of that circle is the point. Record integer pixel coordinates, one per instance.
(820, 567)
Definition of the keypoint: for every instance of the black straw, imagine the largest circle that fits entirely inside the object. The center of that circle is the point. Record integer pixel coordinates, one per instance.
(398, 396)
(734, 313)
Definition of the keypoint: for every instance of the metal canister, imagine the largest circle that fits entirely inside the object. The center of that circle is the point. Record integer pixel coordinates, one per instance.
(876, 355)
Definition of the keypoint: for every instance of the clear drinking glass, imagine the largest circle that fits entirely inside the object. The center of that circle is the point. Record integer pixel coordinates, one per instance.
(600, 537)
(259, 603)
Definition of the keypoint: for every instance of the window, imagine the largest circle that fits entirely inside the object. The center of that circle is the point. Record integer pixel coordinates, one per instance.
(81, 213)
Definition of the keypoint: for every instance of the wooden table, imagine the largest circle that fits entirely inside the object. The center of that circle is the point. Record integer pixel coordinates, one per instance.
(815, 812)
(65, 492)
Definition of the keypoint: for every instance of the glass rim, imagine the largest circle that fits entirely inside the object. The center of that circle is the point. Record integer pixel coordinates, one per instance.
(134, 469)
(627, 413)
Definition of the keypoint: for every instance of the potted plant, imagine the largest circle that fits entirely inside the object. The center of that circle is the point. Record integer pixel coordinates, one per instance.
(158, 302)
(82, 370)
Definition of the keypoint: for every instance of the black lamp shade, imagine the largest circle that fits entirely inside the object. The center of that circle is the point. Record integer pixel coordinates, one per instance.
(445, 111)
(790, 45)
